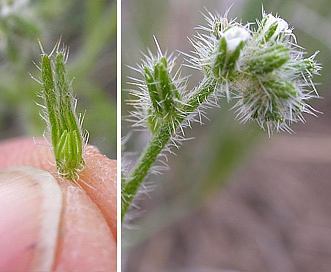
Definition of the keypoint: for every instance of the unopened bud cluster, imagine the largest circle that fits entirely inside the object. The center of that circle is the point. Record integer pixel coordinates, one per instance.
(163, 93)
(160, 96)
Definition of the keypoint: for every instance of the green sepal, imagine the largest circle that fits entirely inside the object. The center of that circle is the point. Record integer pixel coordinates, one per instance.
(163, 94)
(219, 64)
(68, 154)
(305, 66)
(152, 89)
(50, 98)
(265, 108)
(231, 63)
(281, 89)
(225, 61)
(268, 59)
(268, 33)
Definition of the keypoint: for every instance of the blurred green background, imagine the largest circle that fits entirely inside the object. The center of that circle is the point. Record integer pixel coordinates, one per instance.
(173, 202)
(88, 28)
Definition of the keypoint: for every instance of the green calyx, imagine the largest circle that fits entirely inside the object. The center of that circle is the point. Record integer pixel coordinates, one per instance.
(163, 94)
(267, 99)
(268, 59)
(225, 61)
(307, 67)
(272, 29)
(64, 126)
(281, 89)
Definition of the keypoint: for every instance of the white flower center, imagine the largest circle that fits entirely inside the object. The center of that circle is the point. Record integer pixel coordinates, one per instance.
(234, 36)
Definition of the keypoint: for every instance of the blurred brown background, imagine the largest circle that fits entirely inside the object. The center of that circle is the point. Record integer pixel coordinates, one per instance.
(233, 199)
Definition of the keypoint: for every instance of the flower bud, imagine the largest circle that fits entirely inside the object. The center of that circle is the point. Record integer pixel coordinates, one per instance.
(273, 29)
(281, 89)
(162, 91)
(228, 50)
(268, 59)
(234, 36)
(272, 101)
(64, 126)
(306, 67)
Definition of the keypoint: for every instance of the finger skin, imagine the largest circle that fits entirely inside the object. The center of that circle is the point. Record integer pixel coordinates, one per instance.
(18, 233)
(100, 175)
(31, 205)
(85, 240)
(87, 234)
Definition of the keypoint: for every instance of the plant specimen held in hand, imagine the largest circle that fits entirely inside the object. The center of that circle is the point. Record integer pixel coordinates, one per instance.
(63, 125)
(260, 66)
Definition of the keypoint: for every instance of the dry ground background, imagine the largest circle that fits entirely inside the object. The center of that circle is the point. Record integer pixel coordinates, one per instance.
(273, 215)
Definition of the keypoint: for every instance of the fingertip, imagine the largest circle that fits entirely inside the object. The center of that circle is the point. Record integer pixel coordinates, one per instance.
(88, 225)
(30, 208)
(99, 180)
(85, 242)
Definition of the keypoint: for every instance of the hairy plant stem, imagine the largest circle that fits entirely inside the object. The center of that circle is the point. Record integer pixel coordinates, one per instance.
(158, 141)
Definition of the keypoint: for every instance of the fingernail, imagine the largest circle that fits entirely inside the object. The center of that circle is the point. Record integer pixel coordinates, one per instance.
(30, 211)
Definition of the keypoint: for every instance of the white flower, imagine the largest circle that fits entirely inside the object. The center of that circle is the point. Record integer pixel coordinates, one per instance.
(273, 28)
(234, 36)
